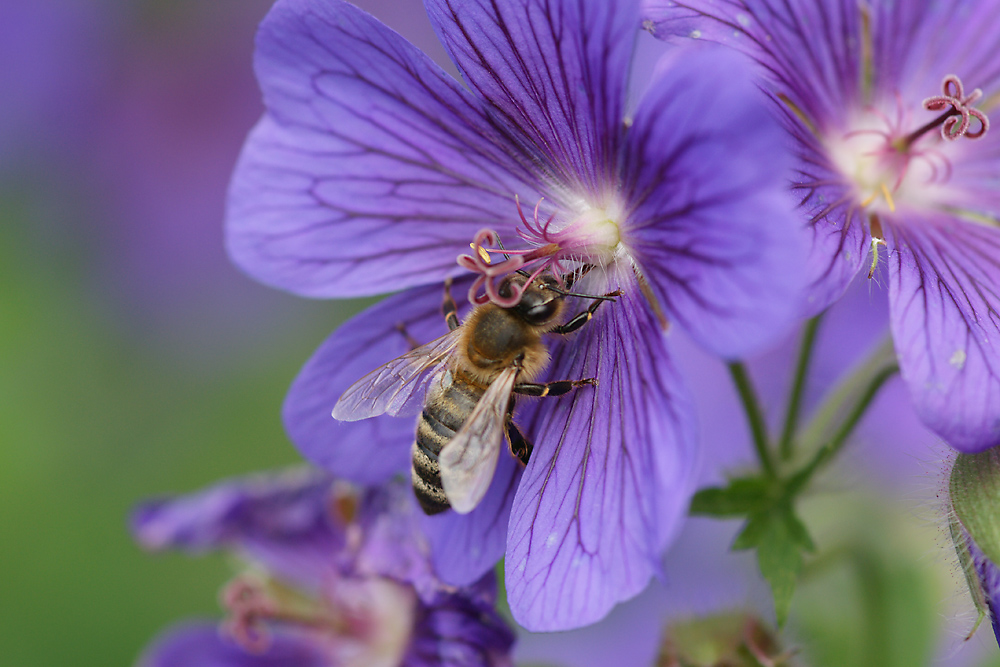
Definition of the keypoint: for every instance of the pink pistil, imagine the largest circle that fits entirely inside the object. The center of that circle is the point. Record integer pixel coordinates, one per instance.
(252, 606)
(957, 118)
(249, 606)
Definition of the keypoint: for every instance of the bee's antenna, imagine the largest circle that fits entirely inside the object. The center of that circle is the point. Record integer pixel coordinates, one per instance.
(604, 297)
(500, 244)
(506, 257)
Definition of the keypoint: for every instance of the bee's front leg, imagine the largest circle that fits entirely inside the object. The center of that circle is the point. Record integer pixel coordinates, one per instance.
(582, 318)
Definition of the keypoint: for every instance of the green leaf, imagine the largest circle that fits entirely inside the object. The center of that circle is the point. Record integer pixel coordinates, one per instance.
(780, 537)
(797, 530)
(753, 532)
(975, 496)
(741, 497)
(779, 556)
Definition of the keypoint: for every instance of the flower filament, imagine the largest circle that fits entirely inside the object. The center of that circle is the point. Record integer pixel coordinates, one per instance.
(593, 238)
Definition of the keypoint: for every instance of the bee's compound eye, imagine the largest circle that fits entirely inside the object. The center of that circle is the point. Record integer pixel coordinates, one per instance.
(540, 313)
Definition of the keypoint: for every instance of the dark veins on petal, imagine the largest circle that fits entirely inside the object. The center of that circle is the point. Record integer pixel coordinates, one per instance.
(597, 511)
(375, 139)
(949, 276)
(532, 94)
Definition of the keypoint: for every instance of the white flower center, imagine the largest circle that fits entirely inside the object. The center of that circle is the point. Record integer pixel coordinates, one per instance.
(884, 171)
(594, 236)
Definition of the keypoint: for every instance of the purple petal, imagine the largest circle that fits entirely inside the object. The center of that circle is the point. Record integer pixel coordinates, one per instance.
(840, 241)
(372, 169)
(280, 520)
(462, 629)
(809, 50)
(394, 546)
(702, 577)
(370, 450)
(465, 546)
(945, 318)
(713, 228)
(944, 31)
(808, 55)
(552, 72)
(610, 476)
(201, 645)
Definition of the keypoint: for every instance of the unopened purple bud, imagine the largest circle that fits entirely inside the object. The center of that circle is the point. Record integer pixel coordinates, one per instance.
(975, 528)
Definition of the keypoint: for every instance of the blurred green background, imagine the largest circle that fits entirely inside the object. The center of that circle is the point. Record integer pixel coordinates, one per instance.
(136, 361)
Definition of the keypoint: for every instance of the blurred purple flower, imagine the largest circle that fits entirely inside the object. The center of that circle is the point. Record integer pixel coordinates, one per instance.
(892, 151)
(346, 580)
(372, 171)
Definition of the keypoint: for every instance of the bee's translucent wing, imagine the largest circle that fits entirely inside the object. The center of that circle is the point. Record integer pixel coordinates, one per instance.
(470, 459)
(398, 387)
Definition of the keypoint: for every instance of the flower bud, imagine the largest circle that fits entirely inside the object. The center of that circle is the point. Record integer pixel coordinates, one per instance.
(731, 640)
(974, 489)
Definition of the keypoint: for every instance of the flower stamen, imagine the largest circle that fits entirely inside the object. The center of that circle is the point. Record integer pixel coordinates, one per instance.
(875, 227)
(888, 197)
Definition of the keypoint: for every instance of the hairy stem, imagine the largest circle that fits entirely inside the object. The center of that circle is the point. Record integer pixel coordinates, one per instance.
(835, 406)
(833, 447)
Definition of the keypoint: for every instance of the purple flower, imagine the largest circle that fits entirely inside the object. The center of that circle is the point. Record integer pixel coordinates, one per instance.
(342, 579)
(373, 170)
(888, 104)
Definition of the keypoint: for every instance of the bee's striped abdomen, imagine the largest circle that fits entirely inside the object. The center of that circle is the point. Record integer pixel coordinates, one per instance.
(444, 413)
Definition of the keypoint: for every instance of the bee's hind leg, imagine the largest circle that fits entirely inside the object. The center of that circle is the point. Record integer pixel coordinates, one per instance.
(520, 446)
(557, 388)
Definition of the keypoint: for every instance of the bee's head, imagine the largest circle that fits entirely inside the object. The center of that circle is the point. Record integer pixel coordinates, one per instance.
(539, 303)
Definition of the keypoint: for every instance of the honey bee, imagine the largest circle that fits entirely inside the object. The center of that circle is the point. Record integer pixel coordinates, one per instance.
(467, 380)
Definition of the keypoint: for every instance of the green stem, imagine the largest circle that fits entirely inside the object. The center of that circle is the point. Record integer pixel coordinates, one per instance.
(798, 384)
(835, 405)
(833, 447)
(755, 416)
(872, 587)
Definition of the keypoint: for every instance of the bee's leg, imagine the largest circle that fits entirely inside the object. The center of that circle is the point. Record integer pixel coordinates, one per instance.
(401, 328)
(557, 388)
(582, 318)
(519, 445)
(448, 307)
